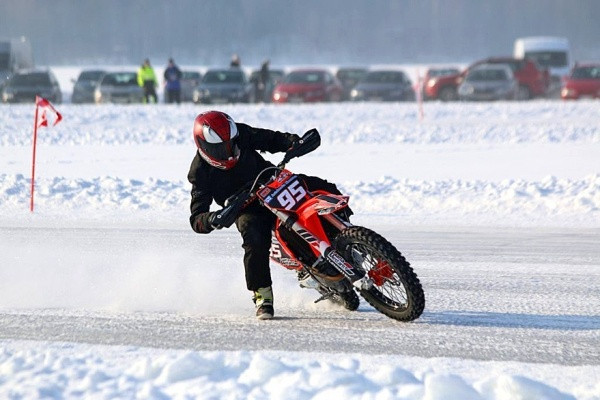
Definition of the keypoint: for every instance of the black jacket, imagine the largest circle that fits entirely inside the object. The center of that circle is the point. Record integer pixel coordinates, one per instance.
(210, 183)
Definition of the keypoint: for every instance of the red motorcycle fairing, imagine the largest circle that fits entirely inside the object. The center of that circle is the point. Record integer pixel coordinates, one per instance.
(280, 253)
(288, 194)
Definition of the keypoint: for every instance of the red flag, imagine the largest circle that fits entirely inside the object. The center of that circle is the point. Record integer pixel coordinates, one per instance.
(43, 121)
(44, 105)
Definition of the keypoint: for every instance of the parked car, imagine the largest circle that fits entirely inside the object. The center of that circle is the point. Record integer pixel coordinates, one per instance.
(275, 76)
(383, 85)
(349, 77)
(24, 85)
(220, 86)
(582, 82)
(433, 73)
(119, 87)
(85, 85)
(189, 81)
(488, 82)
(533, 80)
(308, 86)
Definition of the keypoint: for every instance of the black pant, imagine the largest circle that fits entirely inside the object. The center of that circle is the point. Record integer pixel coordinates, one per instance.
(174, 96)
(149, 92)
(256, 224)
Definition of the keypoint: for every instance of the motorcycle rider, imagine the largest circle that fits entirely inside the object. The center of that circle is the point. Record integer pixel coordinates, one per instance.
(227, 158)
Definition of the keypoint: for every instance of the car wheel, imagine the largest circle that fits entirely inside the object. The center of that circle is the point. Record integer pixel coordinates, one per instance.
(448, 94)
(523, 93)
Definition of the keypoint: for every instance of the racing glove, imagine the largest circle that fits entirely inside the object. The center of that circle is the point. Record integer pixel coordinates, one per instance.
(201, 223)
(303, 145)
(225, 217)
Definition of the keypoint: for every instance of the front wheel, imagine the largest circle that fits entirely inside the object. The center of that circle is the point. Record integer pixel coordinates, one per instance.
(396, 290)
(448, 93)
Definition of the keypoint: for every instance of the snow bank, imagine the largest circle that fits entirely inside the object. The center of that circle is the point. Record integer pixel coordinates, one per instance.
(550, 202)
(61, 370)
(445, 123)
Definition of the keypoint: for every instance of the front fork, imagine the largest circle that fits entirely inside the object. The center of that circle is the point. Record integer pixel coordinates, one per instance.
(356, 276)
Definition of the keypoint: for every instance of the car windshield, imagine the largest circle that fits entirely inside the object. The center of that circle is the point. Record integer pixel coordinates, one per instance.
(276, 74)
(90, 75)
(442, 72)
(514, 65)
(350, 75)
(120, 79)
(33, 79)
(384, 77)
(487, 75)
(548, 58)
(223, 77)
(305, 77)
(586, 73)
(188, 75)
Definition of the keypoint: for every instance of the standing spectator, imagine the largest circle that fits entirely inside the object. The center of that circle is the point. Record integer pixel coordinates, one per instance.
(172, 77)
(263, 81)
(235, 61)
(146, 78)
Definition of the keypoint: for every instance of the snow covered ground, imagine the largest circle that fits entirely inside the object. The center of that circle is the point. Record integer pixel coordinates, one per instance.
(105, 292)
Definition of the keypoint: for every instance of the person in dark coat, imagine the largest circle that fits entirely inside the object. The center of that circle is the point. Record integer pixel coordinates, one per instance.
(227, 158)
(172, 76)
(264, 77)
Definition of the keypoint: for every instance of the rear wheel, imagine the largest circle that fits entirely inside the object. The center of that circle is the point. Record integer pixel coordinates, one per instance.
(396, 290)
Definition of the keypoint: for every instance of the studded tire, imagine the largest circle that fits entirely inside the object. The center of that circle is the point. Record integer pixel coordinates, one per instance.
(396, 292)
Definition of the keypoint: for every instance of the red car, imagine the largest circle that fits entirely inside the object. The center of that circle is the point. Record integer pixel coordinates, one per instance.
(432, 80)
(308, 86)
(533, 80)
(583, 82)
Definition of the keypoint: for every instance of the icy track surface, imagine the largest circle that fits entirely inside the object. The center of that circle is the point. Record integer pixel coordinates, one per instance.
(483, 302)
(496, 296)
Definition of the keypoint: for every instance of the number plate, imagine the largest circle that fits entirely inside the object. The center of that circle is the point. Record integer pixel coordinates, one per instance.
(289, 196)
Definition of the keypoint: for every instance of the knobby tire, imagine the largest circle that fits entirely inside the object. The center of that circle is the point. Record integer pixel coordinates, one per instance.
(404, 283)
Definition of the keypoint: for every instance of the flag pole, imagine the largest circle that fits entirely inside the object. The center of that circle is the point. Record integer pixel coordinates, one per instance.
(420, 96)
(35, 126)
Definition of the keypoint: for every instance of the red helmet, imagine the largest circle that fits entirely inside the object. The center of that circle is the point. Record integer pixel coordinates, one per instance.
(216, 135)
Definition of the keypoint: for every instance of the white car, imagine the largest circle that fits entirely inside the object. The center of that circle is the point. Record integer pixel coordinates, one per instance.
(119, 87)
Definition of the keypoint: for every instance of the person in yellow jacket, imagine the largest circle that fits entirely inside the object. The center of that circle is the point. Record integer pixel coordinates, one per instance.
(147, 80)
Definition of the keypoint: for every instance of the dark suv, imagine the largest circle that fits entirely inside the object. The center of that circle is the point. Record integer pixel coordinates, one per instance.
(533, 80)
(23, 86)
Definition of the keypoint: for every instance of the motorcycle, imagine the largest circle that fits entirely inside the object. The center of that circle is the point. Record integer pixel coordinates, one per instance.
(314, 237)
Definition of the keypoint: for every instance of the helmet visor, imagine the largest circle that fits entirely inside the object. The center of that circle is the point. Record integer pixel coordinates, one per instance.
(220, 151)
